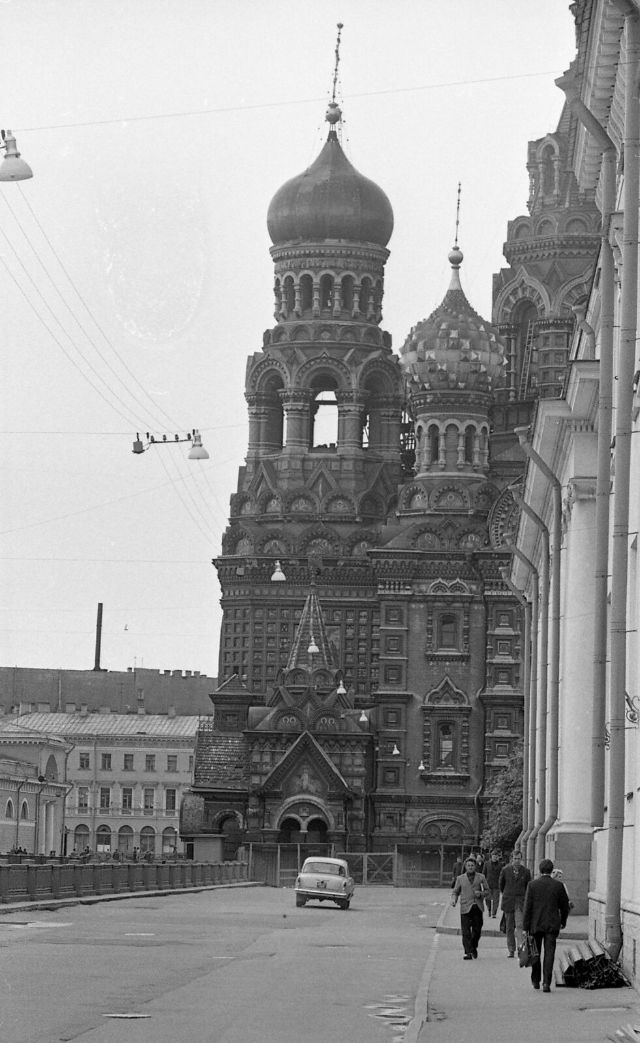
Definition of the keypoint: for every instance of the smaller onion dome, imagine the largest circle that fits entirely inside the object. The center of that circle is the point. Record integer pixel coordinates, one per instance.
(330, 200)
(454, 349)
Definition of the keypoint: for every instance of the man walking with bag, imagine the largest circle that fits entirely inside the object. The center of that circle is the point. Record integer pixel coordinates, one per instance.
(471, 888)
(513, 884)
(546, 908)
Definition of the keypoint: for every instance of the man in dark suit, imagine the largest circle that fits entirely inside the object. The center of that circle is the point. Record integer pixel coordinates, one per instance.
(546, 907)
(513, 882)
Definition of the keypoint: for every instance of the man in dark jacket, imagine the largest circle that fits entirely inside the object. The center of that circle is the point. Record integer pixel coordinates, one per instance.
(546, 907)
(513, 884)
(492, 872)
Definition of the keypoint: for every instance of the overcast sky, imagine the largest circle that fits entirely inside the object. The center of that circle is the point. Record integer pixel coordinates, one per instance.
(136, 277)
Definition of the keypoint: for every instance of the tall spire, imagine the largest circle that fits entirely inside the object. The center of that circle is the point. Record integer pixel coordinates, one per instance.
(311, 649)
(334, 112)
(456, 255)
(337, 63)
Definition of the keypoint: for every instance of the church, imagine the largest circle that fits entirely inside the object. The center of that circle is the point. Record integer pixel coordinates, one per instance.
(372, 661)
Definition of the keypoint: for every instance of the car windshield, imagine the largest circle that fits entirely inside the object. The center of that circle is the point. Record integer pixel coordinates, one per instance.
(324, 867)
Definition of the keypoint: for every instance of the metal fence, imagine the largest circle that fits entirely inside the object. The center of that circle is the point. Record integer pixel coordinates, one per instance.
(36, 881)
(277, 865)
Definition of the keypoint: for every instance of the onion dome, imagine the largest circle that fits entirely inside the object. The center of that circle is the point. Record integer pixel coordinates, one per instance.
(454, 349)
(330, 200)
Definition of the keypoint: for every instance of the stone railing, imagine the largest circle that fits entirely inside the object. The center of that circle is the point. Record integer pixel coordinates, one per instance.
(33, 882)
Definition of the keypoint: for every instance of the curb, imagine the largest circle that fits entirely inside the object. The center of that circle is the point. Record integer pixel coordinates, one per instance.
(421, 1006)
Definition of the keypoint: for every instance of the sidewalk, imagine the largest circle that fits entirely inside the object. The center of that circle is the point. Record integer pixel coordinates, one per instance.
(491, 1000)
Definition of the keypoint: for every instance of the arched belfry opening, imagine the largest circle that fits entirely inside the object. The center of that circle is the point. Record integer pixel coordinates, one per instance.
(324, 415)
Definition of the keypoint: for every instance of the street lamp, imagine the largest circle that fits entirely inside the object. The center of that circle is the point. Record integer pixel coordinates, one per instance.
(197, 451)
(12, 168)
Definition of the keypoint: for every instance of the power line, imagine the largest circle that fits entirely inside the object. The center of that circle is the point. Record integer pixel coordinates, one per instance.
(290, 102)
(75, 289)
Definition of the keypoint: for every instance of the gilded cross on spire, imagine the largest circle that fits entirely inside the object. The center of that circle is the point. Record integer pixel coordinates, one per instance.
(337, 63)
(458, 212)
(334, 115)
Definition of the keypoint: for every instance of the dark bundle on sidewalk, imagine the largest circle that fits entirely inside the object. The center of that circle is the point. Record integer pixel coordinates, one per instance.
(589, 966)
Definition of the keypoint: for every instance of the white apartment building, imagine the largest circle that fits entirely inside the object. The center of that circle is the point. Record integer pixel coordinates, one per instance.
(127, 774)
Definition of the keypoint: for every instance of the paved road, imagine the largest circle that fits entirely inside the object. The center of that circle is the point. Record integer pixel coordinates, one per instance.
(239, 965)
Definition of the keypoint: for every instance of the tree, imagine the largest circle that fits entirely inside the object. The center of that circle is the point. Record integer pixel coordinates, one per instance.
(503, 804)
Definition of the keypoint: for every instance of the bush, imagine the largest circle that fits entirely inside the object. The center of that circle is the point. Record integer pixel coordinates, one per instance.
(503, 805)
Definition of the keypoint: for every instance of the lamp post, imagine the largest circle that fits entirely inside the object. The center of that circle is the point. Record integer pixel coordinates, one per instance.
(197, 451)
(13, 167)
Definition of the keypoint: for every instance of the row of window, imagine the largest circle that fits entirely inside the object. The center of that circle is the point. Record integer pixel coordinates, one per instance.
(128, 763)
(126, 796)
(125, 840)
(9, 810)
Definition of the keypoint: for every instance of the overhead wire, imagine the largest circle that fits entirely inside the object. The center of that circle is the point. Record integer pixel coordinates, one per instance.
(291, 101)
(199, 514)
(128, 370)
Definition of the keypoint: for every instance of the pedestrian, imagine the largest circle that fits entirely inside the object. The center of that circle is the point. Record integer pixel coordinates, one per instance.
(492, 873)
(471, 888)
(513, 884)
(455, 873)
(546, 908)
(557, 874)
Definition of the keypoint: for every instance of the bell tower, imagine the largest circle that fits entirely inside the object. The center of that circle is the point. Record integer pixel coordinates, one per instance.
(325, 398)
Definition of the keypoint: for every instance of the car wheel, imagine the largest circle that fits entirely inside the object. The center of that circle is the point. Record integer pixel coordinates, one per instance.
(300, 900)
(344, 903)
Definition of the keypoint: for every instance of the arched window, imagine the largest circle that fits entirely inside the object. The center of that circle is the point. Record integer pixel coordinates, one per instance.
(81, 838)
(434, 444)
(273, 423)
(125, 840)
(147, 840)
(326, 291)
(526, 349)
(347, 293)
(469, 440)
(548, 170)
(51, 770)
(306, 293)
(365, 296)
(9, 809)
(446, 747)
(324, 413)
(169, 841)
(448, 631)
(289, 295)
(103, 840)
(24, 810)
